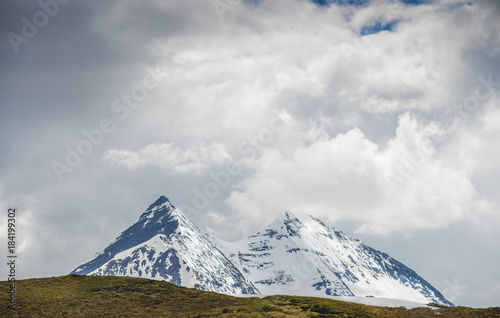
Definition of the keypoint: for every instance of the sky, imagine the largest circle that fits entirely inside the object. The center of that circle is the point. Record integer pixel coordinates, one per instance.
(381, 118)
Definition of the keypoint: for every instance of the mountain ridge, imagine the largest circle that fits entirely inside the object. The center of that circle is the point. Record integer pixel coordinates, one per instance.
(292, 255)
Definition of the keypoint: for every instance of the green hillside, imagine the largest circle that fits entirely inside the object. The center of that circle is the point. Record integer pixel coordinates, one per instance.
(95, 296)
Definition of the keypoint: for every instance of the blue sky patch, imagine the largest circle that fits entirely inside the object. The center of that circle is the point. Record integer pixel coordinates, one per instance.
(357, 3)
(416, 2)
(378, 27)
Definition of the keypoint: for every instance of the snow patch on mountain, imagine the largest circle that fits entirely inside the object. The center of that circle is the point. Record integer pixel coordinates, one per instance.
(292, 255)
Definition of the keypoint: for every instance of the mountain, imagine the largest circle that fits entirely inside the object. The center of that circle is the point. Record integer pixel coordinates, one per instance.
(293, 255)
(163, 244)
(306, 257)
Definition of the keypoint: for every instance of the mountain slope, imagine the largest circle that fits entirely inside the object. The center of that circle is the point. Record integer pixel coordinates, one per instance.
(164, 245)
(112, 296)
(298, 256)
(306, 257)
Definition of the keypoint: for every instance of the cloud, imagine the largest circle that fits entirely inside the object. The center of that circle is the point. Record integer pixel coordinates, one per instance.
(330, 89)
(365, 142)
(216, 217)
(254, 61)
(404, 187)
(170, 158)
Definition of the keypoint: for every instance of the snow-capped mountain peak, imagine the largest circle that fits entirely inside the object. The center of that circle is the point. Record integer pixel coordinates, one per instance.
(163, 203)
(298, 255)
(163, 244)
(159, 210)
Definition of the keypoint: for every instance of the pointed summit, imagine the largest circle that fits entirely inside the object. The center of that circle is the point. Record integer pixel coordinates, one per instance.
(289, 215)
(164, 244)
(160, 218)
(161, 200)
(160, 209)
(301, 253)
(293, 224)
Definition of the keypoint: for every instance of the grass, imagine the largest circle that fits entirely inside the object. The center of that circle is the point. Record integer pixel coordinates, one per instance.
(111, 296)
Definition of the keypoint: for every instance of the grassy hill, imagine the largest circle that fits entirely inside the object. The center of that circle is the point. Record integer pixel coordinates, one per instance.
(96, 296)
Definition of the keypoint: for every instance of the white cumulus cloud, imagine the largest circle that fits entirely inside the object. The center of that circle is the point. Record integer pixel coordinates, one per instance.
(170, 158)
(403, 187)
